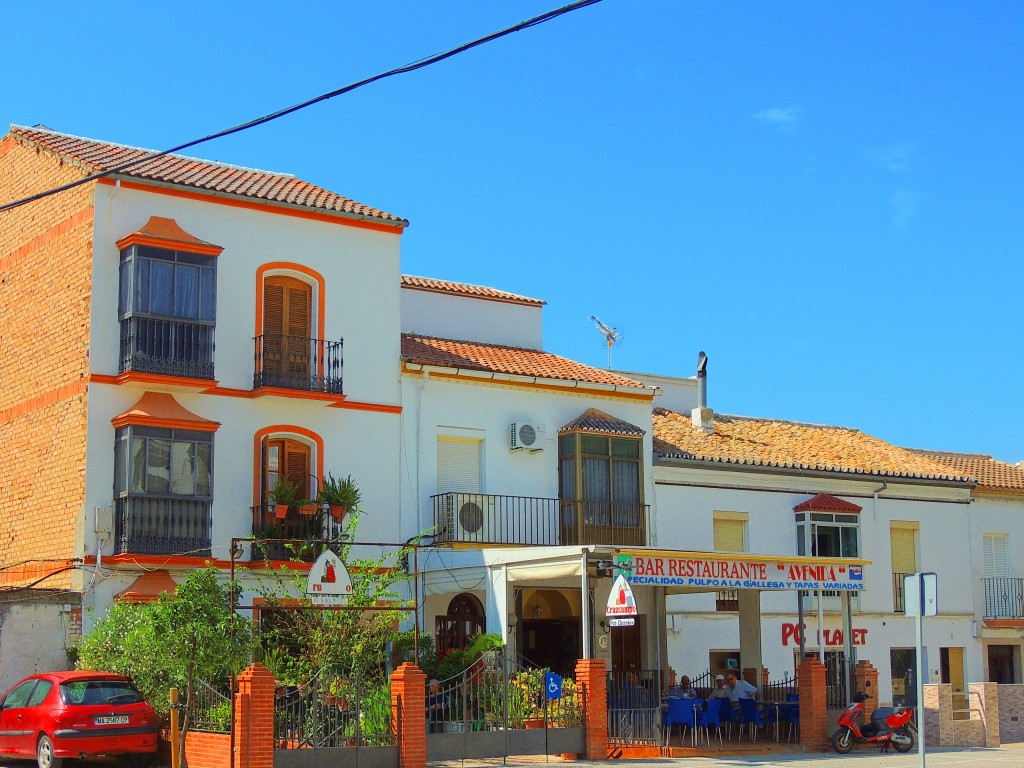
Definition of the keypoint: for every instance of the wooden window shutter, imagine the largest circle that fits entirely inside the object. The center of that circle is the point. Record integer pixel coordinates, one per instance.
(902, 542)
(296, 465)
(729, 535)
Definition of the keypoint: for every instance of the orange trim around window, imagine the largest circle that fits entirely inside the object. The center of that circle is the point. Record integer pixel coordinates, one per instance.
(261, 274)
(267, 206)
(282, 429)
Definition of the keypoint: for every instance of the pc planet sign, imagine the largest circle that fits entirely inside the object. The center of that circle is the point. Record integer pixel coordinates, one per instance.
(621, 608)
(727, 573)
(328, 583)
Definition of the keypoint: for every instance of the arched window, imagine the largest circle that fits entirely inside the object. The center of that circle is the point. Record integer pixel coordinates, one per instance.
(465, 618)
(287, 320)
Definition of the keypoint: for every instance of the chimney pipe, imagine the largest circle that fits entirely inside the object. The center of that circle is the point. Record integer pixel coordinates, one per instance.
(703, 417)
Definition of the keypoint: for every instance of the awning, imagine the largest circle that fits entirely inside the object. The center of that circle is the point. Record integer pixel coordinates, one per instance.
(464, 570)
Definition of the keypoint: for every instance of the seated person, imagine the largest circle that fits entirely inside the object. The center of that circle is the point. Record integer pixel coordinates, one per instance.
(684, 690)
(720, 691)
(737, 689)
(436, 705)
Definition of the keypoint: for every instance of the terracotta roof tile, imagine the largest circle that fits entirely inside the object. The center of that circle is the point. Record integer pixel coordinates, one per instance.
(515, 361)
(95, 156)
(826, 502)
(791, 445)
(593, 420)
(991, 473)
(466, 289)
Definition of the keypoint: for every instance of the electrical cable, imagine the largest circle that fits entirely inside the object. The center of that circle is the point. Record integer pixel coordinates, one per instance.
(426, 62)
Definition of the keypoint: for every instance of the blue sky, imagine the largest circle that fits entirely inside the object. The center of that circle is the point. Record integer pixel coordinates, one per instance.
(826, 198)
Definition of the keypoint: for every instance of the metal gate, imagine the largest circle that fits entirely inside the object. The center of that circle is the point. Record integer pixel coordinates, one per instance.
(499, 707)
(634, 708)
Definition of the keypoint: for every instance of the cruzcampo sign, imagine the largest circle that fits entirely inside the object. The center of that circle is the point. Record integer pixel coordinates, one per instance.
(699, 570)
(621, 603)
(328, 583)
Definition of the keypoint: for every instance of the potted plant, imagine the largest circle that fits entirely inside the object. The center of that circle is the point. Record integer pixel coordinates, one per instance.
(284, 495)
(307, 506)
(339, 495)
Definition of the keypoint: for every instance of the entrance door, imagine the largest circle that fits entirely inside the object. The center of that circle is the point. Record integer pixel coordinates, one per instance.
(1000, 664)
(952, 664)
(289, 459)
(902, 666)
(552, 643)
(287, 304)
(627, 646)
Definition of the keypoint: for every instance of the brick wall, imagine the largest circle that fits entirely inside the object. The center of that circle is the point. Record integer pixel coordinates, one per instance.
(592, 675)
(979, 726)
(207, 750)
(1011, 713)
(45, 290)
(814, 722)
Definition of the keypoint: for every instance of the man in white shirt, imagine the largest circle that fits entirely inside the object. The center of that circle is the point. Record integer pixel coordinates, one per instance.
(720, 691)
(738, 689)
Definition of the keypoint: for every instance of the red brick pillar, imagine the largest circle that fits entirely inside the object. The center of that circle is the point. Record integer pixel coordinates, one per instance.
(409, 715)
(814, 724)
(764, 678)
(592, 676)
(866, 681)
(254, 718)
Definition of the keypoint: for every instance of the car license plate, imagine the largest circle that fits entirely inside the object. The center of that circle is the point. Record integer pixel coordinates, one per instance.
(111, 720)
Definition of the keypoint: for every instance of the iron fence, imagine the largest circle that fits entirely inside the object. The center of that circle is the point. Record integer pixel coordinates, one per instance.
(501, 692)
(157, 525)
(897, 592)
(780, 691)
(210, 708)
(169, 347)
(332, 712)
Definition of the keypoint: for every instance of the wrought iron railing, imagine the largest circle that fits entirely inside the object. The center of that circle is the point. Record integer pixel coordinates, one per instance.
(297, 362)
(169, 347)
(1004, 598)
(478, 518)
(293, 537)
(163, 525)
(782, 690)
(727, 600)
(897, 592)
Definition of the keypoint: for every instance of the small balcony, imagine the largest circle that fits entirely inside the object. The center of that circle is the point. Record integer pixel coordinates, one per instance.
(297, 362)
(291, 537)
(478, 518)
(897, 592)
(155, 525)
(168, 347)
(1004, 598)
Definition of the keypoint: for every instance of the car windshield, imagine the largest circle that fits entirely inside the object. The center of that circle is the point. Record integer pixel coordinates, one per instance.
(99, 692)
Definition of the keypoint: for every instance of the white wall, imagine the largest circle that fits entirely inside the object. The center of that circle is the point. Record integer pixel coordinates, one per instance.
(447, 316)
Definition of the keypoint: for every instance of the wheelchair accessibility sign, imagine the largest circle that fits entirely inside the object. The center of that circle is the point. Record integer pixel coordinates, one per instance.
(552, 685)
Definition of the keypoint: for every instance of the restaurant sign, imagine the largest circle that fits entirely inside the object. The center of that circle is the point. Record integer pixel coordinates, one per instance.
(686, 570)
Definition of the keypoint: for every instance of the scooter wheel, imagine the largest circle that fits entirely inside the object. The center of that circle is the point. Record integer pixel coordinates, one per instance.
(902, 741)
(842, 741)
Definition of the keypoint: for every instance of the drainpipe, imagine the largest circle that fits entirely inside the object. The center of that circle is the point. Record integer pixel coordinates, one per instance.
(874, 498)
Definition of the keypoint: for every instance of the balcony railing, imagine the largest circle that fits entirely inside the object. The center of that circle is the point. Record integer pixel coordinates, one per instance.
(1004, 598)
(297, 362)
(155, 525)
(478, 518)
(897, 592)
(291, 537)
(169, 347)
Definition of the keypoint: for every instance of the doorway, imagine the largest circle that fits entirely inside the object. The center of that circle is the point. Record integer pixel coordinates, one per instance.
(1004, 664)
(627, 646)
(951, 662)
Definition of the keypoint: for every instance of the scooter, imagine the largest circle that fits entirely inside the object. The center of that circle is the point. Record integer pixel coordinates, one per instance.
(889, 727)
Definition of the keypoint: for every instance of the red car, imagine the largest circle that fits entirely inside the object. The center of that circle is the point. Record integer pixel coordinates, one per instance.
(58, 715)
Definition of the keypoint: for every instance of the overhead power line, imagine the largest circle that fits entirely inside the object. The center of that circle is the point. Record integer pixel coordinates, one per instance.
(437, 57)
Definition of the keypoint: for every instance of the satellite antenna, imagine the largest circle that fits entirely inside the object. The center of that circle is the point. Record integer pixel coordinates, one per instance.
(612, 336)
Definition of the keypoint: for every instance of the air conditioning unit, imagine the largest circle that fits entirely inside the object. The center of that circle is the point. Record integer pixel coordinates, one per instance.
(524, 436)
(475, 519)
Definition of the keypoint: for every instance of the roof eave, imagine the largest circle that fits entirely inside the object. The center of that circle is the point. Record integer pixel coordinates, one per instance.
(396, 223)
(479, 373)
(721, 465)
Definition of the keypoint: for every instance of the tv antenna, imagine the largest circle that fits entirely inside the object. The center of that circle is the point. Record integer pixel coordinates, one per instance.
(612, 336)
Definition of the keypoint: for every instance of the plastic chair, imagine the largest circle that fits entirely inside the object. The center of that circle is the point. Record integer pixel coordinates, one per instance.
(712, 717)
(681, 712)
(790, 713)
(747, 715)
(792, 697)
(765, 715)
